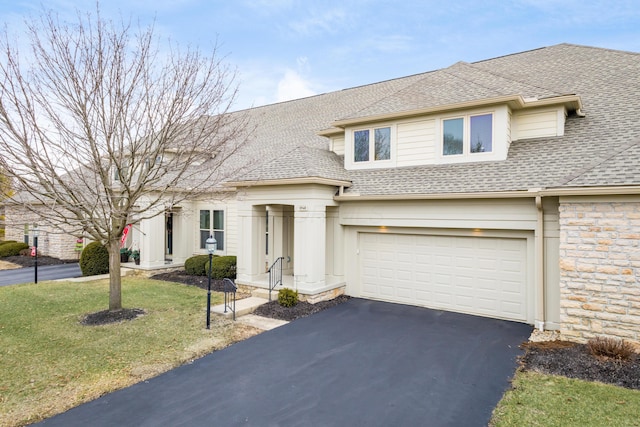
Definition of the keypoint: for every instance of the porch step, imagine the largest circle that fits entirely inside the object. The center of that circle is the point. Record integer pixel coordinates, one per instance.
(264, 293)
(243, 306)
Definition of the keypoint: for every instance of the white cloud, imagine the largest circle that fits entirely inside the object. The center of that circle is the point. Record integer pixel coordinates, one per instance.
(323, 22)
(293, 86)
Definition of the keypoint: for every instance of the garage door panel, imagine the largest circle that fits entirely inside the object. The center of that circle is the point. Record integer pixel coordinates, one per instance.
(482, 275)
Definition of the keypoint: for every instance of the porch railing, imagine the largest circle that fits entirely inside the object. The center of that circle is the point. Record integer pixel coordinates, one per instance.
(230, 289)
(275, 275)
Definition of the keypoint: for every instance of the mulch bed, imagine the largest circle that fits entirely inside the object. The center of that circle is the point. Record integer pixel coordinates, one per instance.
(275, 311)
(271, 309)
(29, 261)
(575, 361)
(180, 276)
(106, 317)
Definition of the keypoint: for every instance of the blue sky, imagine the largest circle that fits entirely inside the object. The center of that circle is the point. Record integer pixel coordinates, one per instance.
(284, 49)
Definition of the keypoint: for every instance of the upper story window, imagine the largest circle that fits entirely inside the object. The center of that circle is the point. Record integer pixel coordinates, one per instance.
(372, 144)
(468, 134)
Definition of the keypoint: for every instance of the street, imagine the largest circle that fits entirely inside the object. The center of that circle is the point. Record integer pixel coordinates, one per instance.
(46, 272)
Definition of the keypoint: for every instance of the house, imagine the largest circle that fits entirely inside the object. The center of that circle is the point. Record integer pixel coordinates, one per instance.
(507, 188)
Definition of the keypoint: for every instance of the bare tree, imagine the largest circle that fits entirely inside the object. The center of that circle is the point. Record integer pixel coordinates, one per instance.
(99, 127)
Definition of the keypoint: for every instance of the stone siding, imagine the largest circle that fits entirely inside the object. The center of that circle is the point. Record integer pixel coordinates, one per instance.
(600, 270)
(50, 242)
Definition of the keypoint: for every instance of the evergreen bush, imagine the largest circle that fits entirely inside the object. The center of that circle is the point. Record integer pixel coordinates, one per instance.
(287, 297)
(12, 248)
(195, 265)
(94, 259)
(222, 267)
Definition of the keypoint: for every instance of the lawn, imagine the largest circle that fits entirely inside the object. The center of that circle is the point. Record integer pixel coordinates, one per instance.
(538, 400)
(50, 362)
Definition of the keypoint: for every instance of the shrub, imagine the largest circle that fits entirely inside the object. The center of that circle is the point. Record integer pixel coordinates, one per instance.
(94, 259)
(287, 297)
(12, 249)
(609, 347)
(6, 242)
(223, 266)
(25, 252)
(195, 265)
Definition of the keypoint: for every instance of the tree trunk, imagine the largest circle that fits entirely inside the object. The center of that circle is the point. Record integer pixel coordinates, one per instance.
(115, 281)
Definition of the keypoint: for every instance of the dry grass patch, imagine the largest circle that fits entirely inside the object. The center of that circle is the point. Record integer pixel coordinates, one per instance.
(6, 265)
(51, 362)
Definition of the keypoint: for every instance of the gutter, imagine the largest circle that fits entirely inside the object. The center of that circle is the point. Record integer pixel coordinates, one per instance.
(539, 321)
(534, 192)
(289, 181)
(516, 102)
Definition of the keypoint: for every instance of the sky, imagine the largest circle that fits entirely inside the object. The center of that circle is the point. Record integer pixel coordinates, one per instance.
(287, 49)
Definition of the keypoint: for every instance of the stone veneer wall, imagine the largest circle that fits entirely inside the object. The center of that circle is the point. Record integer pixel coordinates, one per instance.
(600, 269)
(55, 244)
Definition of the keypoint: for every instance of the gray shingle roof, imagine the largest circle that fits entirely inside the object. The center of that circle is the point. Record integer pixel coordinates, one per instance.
(599, 149)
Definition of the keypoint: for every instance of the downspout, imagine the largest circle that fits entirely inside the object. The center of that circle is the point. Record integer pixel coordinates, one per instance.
(539, 243)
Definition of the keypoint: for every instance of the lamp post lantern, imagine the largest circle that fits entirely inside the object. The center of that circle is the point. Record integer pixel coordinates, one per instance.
(211, 245)
(35, 245)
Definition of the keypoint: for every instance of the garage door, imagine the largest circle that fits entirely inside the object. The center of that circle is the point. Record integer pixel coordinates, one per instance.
(476, 275)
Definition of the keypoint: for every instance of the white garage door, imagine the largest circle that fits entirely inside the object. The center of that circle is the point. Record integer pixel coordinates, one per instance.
(477, 275)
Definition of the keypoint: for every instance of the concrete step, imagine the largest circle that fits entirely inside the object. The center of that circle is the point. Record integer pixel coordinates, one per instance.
(264, 323)
(264, 293)
(243, 306)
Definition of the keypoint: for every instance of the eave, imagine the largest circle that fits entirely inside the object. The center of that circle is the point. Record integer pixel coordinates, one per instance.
(290, 181)
(534, 192)
(515, 102)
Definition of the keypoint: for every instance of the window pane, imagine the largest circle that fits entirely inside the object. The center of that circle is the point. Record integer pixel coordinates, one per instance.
(481, 133)
(205, 220)
(218, 220)
(204, 235)
(452, 137)
(361, 146)
(383, 143)
(219, 236)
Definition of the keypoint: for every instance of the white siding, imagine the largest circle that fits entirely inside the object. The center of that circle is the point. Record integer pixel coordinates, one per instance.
(416, 143)
(229, 206)
(511, 214)
(337, 145)
(231, 231)
(538, 123)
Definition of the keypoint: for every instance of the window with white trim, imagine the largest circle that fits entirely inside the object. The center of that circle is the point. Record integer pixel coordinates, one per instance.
(212, 224)
(372, 144)
(469, 134)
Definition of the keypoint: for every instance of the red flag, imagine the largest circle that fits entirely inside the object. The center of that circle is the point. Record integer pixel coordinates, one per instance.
(125, 233)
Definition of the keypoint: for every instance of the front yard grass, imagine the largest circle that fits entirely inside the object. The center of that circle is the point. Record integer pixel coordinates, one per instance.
(549, 401)
(50, 362)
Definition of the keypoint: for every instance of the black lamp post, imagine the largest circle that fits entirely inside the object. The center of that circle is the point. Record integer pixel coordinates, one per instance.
(35, 245)
(211, 245)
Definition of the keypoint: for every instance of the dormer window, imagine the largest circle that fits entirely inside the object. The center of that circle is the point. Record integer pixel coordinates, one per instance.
(468, 134)
(372, 144)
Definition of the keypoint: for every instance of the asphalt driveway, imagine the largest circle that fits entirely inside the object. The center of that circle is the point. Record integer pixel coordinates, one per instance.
(45, 272)
(362, 363)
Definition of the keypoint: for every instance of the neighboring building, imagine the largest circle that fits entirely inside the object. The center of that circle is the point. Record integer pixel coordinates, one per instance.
(507, 188)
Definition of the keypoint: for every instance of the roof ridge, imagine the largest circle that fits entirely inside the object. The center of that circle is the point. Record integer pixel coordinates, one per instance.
(597, 162)
(507, 77)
